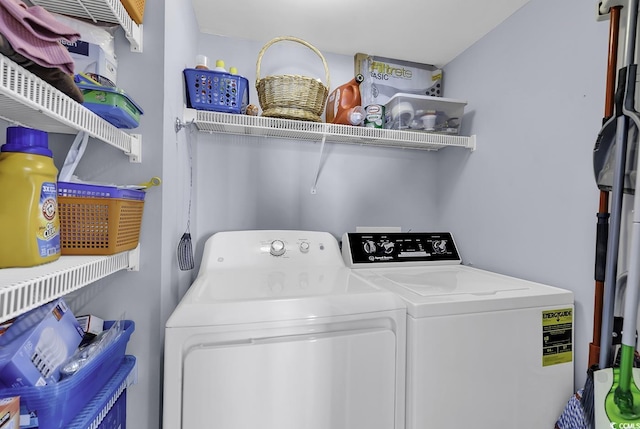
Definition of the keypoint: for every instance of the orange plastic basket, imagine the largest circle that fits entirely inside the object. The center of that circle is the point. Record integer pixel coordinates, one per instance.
(99, 226)
(135, 9)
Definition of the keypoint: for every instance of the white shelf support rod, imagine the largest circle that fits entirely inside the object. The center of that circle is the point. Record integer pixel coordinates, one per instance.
(315, 182)
(135, 156)
(87, 11)
(134, 259)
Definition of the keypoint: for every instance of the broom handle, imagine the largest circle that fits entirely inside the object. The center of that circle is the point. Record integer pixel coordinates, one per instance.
(603, 206)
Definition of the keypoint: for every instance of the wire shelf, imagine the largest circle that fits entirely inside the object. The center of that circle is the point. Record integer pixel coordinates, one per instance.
(27, 100)
(217, 122)
(111, 11)
(23, 289)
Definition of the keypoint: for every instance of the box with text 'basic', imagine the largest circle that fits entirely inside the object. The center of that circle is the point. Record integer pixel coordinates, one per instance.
(385, 77)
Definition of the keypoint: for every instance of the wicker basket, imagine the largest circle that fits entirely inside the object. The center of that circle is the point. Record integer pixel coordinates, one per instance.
(292, 96)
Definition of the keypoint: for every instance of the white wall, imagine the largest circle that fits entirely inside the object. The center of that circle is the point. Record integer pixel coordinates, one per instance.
(525, 202)
(259, 183)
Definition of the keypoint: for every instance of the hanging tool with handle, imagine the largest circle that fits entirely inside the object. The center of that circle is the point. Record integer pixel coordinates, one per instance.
(621, 404)
(579, 410)
(603, 205)
(616, 129)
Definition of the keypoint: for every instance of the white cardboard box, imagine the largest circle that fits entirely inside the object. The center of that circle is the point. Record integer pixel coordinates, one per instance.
(35, 345)
(91, 58)
(385, 77)
(10, 412)
(91, 324)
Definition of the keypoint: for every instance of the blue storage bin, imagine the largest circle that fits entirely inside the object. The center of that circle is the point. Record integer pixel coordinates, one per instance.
(108, 409)
(86, 190)
(216, 91)
(110, 103)
(57, 404)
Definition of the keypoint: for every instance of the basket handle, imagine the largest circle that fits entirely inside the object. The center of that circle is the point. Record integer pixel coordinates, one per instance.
(292, 39)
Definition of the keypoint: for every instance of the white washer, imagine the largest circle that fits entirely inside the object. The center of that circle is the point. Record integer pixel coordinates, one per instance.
(276, 333)
(484, 350)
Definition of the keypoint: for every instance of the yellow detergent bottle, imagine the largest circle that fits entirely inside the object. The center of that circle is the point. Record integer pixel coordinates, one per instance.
(29, 223)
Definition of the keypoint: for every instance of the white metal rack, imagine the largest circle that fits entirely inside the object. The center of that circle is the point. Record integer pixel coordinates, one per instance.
(216, 122)
(23, 289)
(27, 100)
(98, 10)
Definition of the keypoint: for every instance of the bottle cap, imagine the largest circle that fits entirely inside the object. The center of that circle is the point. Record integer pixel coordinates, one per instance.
(220, 63)
(27, 140)
(233, 70)
(202, 61)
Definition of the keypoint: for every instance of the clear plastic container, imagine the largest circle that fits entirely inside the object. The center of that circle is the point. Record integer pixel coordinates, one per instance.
(424, 113)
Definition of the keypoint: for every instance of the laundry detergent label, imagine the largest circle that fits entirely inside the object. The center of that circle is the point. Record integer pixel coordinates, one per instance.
(48, 232)
(557, 336)
(78, 47)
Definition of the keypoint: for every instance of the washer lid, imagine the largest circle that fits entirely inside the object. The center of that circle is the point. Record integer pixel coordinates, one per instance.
(458, 289)
(224, 297)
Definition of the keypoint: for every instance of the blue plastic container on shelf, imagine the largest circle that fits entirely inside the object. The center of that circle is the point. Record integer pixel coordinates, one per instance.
(108, 409)
(216, 91)
(87, 190)
(110, 103)
(58, 404)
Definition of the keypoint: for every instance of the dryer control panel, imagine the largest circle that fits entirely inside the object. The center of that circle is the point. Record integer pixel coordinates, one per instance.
(402, 248)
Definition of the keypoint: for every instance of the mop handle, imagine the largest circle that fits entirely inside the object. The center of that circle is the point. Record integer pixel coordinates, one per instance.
(625, 98)
(633, 279)
(622, 396)
(614, 236)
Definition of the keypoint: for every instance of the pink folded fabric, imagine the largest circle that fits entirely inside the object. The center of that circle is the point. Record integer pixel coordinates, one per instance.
(34, 33)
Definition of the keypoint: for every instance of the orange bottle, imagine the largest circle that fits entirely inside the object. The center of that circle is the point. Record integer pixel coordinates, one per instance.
(343, 102)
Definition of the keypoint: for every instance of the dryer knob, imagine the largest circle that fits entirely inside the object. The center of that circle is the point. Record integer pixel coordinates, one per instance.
(304, 247)
(369, 247)
(277, 248)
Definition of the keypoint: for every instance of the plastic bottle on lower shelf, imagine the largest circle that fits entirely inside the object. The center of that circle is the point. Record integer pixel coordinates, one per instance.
(202, 62)
(29, 223)
(220, 66)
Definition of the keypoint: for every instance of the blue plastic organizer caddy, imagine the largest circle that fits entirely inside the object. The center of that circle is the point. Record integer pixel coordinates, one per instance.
(108, 409)
(216, 91)
(58, 404)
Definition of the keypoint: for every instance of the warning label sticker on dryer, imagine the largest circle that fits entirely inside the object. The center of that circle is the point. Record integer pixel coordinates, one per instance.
(557, 334)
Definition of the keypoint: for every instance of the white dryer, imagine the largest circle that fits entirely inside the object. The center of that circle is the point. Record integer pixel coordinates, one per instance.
(276, 333)
(484, 350)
